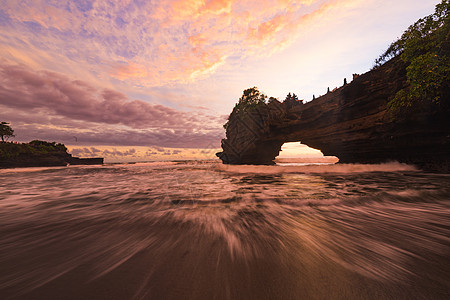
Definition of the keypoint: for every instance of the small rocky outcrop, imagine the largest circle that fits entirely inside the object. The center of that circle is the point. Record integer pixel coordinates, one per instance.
(352, 123)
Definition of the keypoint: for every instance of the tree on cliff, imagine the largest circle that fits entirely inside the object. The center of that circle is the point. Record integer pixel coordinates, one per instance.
(6, 131)
(425, 48)
(292, 100)
(251, 98)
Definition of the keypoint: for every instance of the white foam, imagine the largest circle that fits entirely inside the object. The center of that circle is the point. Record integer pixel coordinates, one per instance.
(329, 168)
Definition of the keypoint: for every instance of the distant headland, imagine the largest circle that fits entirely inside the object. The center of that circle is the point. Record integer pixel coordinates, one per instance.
(39, 154)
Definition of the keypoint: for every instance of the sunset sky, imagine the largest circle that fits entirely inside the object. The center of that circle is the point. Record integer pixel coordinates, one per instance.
(136, 80)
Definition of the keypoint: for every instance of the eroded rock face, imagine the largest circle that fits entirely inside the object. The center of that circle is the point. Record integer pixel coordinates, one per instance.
(351, 123)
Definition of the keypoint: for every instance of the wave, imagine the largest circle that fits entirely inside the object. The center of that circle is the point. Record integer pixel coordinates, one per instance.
(328, 168)
(150, 163)
(30, 169)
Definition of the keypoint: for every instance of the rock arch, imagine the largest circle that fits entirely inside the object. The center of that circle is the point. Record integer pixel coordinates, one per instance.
(351, 123)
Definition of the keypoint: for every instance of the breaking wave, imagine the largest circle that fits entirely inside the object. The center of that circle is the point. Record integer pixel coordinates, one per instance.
(319, 168)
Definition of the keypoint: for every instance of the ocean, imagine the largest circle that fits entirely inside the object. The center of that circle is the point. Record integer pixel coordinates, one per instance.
(203, 230)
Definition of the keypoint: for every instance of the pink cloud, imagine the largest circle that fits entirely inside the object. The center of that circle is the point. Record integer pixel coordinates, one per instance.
(94, 134)
(51, 106)
(57, 94)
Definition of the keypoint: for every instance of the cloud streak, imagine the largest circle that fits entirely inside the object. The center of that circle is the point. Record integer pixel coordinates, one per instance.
(140, 154)
(64, 107)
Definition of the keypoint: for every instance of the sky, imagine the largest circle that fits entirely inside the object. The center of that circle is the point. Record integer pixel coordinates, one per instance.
(135, 80)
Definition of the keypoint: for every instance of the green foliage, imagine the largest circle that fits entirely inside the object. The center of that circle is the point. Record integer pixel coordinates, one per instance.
(6, 131)
(424, 47)
(34, 148)
(44, 146)
(251, 99)
(419, 37)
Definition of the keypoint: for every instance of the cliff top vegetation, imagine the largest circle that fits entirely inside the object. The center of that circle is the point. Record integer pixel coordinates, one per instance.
(252, 98)
(425, 48)
(10, 150)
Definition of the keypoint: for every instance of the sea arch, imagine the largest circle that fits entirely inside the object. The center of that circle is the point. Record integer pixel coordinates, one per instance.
(352, 123)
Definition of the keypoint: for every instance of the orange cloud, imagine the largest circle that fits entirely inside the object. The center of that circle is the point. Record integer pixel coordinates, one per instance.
(209, 65)
(186, 8)
(195, 8)
(197, 40)
(267, 30)
(282, 30)
(128, 70)
(164, 42)
(218, 6)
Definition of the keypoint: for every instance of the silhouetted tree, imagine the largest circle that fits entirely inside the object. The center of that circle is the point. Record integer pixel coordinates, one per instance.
(314, 97)
(292, 100)
(288, 97)
(6, 131)
(296, 100)
(345, 81)
(328, 90)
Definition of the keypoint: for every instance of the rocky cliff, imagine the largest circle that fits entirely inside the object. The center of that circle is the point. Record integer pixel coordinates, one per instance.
(352, 123)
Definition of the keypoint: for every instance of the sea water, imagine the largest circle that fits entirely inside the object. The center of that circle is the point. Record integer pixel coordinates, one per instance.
(203, 230)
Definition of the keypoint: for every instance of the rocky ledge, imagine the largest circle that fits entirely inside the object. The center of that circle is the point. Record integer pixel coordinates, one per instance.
(352, 123)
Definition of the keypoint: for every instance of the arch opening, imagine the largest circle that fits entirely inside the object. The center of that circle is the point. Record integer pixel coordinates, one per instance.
(296, 153)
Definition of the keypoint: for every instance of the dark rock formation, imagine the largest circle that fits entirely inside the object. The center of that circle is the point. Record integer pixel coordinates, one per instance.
(85, 161)
(352, 123)
(40, 154)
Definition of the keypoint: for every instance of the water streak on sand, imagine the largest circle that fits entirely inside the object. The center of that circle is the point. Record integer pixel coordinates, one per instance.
(203, 230)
